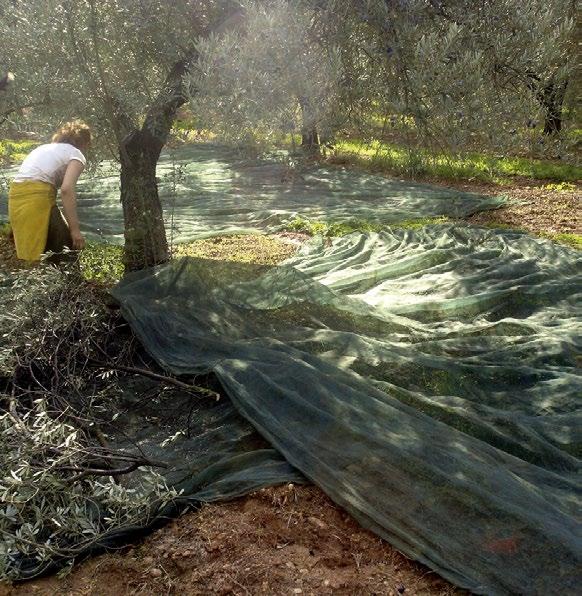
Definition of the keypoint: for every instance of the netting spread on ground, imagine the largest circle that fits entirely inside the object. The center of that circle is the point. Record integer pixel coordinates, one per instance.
(208, 190)
(426, 380)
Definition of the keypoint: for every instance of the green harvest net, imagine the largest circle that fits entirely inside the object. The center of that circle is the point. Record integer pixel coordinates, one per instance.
(426, 380)
(208, 190)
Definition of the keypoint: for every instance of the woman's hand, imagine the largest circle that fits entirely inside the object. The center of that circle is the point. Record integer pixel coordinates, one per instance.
(69, 199)
(77, 240)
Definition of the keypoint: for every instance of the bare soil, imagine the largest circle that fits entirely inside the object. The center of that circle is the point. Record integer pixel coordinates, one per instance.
(282, 540)
(8, 260)
(530, 206)
(535, 210)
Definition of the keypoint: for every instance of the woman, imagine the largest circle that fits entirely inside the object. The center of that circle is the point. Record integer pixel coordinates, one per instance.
(37, 223)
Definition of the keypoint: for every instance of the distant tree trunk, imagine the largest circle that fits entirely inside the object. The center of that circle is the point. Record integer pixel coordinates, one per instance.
(5, 81)
(145, 236)
(309, 134)
(310, 140)
(552, 99)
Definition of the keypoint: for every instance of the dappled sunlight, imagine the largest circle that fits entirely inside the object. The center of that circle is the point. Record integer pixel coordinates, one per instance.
(208, 190)
(285, 269)
(418, 375)
(424, 379)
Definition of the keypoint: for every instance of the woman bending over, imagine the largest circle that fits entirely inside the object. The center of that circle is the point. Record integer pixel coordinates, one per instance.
(37, 223)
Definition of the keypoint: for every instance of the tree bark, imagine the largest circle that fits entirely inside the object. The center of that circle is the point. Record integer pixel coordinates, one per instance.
(309, 134)
(552, 99)
(310, 140)
(145, 236)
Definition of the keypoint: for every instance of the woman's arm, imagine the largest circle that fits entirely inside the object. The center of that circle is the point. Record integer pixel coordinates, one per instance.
(69, 199)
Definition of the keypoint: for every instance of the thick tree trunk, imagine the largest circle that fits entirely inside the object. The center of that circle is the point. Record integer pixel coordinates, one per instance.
(552, 99)
(145, 235)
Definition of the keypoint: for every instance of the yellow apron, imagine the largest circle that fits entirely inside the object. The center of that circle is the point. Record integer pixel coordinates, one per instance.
(29, 209)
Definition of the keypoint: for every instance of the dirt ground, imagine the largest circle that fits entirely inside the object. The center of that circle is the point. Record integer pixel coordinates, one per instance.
(533, 205)
(283, 540)
(536, 210)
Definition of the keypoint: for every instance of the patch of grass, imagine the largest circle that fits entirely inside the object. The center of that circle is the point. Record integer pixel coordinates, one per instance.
(415, 224)
(537, 169)
(15, 151)
(560, 187)
(102, 263)
(245, 248)
(4, 229)
(387, 157)
(571, 240)
(331, 229)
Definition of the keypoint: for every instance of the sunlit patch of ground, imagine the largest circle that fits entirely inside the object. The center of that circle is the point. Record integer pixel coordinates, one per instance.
(554, 214)
(244, 248)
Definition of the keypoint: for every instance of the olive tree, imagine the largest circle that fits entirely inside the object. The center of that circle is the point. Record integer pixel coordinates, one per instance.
(119, 64)
(459, 68)
(274, 74)
(453, 72)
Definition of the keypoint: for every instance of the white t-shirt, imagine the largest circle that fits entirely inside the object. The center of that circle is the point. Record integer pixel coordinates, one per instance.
(48, 163)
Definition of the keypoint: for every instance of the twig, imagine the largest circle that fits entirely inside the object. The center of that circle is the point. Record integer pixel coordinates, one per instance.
(85, 472)
(152, 375)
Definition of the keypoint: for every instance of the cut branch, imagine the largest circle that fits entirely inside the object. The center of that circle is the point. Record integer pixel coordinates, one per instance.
(164, 379)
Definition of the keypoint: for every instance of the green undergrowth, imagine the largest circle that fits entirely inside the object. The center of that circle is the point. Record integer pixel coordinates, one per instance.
(572, 240)
(561, 187)
(15, 151)
(103, 263)
(330, 229)
(390, 158)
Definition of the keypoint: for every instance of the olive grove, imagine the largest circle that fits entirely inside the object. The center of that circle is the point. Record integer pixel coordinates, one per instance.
(118, 64)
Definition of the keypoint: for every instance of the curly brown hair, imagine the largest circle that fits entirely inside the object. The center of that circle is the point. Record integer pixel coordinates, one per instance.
(76, 133)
